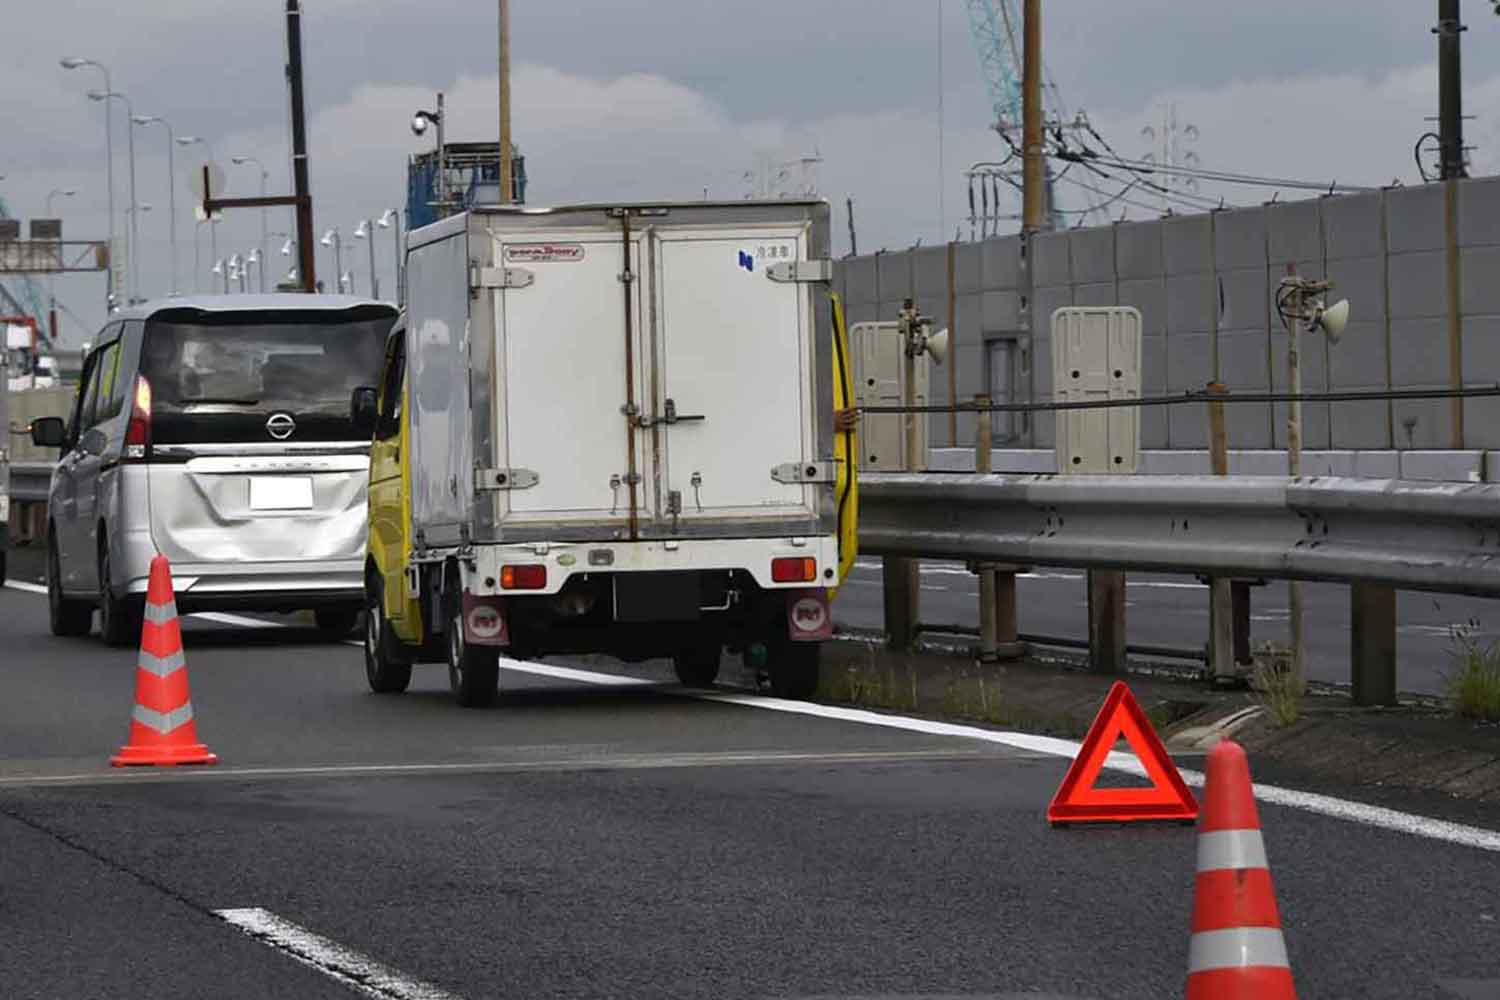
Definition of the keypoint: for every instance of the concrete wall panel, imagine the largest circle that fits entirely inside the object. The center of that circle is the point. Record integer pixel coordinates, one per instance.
(895, 276)
(1138, 249)
(1479, 212)
(1293, 231)
(1094, 295)
(1051, 260)
(999, 311)
(1419, 352)
(930, 270)
(1243, 296)
(859, 280)
(968, 266)
(1149, 295)
(1351, 225)
(1417, 287)
(1357, 361)
(1414, 218)
(1187, 243)
(1240, 239)
(1191, 304)
(1000, 262)
(1093, 253)
(1361, 425)
(1361, 280)
(1480, 275)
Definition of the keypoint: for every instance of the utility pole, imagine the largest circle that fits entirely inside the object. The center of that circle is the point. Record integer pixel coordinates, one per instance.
(306, 263)
(1033, 178)
(506, 181)
(1450, 91)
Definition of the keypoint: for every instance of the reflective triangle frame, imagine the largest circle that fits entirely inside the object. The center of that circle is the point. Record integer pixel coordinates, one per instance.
(1078, 801)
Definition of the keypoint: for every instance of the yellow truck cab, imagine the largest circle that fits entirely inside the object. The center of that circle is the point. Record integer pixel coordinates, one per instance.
(610, 429)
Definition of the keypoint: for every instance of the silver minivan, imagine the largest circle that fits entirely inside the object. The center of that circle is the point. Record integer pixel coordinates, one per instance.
(216, 431)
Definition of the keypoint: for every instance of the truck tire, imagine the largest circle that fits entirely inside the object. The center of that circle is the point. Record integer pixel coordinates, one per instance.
(335, 622)
(699, 665)
(793, 669)
(120, 618)
(387, 663)
(473, 671)
(67, 617)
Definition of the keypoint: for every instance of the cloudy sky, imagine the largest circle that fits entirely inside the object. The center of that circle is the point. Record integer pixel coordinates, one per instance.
(620, 99)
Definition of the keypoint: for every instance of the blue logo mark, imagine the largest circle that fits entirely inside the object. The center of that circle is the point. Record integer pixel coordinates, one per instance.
(747, 261)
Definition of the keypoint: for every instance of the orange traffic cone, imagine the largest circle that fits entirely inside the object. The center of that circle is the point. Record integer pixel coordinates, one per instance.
(162, 730)
(1237, 951)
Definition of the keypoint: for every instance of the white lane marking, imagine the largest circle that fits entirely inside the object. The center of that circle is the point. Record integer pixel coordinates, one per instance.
(238, 621)
(30, 588)
(1324, 805)
(1162, 585)
(354, 969)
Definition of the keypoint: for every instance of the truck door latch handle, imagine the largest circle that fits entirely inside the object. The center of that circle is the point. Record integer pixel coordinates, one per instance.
(670, 416)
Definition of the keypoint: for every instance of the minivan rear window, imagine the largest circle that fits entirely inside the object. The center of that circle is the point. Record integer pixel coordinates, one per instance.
(218, 377)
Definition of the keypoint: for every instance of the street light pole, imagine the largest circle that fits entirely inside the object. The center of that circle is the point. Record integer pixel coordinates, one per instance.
(171, 188)
(72, 62)
(264, 176)
(135, 245)
(333, 239)
(366, 231)
(391, 219)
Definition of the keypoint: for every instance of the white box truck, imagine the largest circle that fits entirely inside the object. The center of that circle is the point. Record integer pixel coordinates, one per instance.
(610, 429)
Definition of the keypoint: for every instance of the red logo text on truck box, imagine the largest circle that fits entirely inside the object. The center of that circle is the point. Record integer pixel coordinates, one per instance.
(543, 253)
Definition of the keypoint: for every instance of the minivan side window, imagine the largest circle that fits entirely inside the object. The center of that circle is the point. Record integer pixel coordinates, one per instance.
(104, 359)
(111, 385)
(88, 379)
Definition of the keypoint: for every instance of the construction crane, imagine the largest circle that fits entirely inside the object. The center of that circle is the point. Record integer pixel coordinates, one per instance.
(995, 26)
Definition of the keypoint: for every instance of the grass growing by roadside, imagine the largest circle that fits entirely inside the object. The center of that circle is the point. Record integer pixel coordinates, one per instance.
(1473, 685)
(1278, 688)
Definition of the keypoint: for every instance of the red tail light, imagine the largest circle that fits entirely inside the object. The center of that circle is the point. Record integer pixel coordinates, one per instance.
(138, 431)
(523, 577)
(794, 570)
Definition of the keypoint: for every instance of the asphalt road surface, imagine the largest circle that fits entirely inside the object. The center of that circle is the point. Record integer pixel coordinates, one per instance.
(1168, 611)
(595, 835)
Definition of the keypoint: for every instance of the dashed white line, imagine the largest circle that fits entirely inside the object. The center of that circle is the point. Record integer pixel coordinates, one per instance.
(354, 969)
(30, 588)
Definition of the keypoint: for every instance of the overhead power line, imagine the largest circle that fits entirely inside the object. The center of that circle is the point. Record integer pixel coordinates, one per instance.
(1204, 173)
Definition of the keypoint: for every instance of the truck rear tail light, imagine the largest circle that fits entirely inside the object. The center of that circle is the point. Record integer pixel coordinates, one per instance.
(138, 431)
(794, 570)
(523, 577)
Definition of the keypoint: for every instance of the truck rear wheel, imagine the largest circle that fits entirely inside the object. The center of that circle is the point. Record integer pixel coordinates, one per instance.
(699, 665)
(473, 671)
(387, 663)
(793, 669)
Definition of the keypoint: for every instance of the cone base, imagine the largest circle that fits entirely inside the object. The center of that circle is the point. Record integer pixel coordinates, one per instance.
(1254, 982)
(131, 756)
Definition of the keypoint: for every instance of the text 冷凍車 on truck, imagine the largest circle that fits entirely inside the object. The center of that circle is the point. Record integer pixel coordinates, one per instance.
(610, 429)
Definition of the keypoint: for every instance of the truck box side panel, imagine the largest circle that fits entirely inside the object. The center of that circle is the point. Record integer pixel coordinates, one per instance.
(438, 367)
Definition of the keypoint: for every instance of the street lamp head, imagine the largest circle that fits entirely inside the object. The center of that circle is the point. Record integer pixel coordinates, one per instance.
(286, 248)
(72, 62)
(362, 230)
(99, 95)
(329, 237)
(239, 161)
(144, 119)
(253, 257)
(291, 275)
(386, 218)
(187, 140)
(218, 267)
(419, 123)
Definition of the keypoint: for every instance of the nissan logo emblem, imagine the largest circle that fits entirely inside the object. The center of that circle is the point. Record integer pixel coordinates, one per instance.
(281, 426)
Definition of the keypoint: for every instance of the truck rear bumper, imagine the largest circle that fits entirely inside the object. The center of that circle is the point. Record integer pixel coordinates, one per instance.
(565, 560)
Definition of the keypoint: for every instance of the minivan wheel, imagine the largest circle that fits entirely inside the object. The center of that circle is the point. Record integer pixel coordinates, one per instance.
(119, 617)
(67, 617)
(473, 671)
(387, 664)
(336, 622)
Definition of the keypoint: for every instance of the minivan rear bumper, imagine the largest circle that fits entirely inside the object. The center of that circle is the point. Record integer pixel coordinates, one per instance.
(269, 586)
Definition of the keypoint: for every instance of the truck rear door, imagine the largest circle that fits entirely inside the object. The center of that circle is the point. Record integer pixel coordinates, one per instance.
(732, 395)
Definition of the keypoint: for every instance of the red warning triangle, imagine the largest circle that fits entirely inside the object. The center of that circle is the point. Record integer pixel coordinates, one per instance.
(1078, 801)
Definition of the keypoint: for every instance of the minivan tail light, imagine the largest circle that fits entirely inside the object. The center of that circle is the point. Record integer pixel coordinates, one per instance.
(531, 577)
(794, 570)
(138, 431)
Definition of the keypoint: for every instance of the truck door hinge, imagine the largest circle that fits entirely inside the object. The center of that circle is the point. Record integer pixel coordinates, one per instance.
(821, 471)
(505, 479)
(819, 269)
(499, 277)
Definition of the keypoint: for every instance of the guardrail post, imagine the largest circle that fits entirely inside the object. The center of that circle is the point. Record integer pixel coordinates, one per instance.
(1223, 664)
(998, 624)
(1372, 643)
(1106, 621)
(902, 590)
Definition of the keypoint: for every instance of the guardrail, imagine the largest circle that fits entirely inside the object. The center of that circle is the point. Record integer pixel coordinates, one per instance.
(1409, 535)
(1378, 535)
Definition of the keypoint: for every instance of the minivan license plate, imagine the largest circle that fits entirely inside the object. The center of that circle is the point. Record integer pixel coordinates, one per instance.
(281, 493)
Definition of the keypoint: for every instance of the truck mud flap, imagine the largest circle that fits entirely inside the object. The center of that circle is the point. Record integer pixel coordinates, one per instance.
(808, 616)
(484, 621)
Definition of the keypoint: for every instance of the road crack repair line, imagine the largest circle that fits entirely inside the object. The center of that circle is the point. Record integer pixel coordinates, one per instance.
(349, 967)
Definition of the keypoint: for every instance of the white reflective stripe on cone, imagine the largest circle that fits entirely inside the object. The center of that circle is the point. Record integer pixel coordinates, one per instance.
(163, 722)
(1231, 849)
(160, 614)
(162, 666)
(1237, 948)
